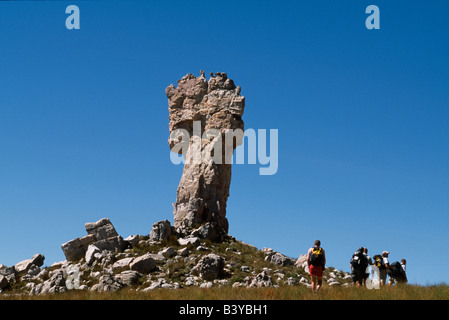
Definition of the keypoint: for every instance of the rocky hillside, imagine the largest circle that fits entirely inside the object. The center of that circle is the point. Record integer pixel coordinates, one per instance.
(104, 261)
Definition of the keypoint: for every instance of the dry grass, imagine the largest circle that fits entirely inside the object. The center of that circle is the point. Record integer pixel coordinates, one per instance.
(236, 254)
(409, 292)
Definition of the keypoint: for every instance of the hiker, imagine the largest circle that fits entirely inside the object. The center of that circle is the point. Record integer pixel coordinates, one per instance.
(384, 270)
(397, 272)
(404, 267)
(359, 263)
(370, 263)
(316, 261)
(378, 264)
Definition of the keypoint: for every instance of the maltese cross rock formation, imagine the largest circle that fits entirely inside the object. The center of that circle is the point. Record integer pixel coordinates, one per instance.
(201, 113)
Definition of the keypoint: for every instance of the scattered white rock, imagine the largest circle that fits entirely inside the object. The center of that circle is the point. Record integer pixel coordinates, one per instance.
(100, 269)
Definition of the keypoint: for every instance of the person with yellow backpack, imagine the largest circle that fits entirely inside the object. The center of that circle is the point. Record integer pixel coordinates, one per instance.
(316, 260)
(382, 264)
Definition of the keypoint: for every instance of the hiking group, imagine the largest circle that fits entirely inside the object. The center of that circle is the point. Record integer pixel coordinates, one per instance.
(360, 263)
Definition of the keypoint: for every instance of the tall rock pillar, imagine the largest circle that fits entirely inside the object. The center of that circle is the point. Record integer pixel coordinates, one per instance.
(202, 113)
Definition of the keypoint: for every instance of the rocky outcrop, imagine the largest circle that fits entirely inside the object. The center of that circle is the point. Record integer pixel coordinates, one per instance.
(263, 279)
(26, 265)
(75, 249)
(277, 257)
(101, 234)
(201, 113)
(7, 276)
(147, 264)
(102, 229)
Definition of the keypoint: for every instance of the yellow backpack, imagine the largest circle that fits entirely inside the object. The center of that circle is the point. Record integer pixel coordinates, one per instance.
(317, 257)
(379, 261)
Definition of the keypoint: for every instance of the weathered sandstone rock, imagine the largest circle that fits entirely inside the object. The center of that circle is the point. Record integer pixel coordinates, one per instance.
(211, 266)
(204, 111)
(25, 265)
(102, 229)
(143, 264)
(122, 265)
(161, 231)
(90, 253)
(76, 249)
(102, 234)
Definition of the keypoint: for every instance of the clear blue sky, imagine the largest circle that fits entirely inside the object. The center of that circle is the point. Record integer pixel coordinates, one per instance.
(363, 120)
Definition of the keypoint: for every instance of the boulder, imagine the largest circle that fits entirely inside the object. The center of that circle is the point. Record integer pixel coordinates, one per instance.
(143, 264)
(55, 284)
(158, 258)
(334, 283)
(133, 240)
(301, 262)
(189, 240)
(211, 266)
(9, 273)
(73, 277)
(122, 264)
(107, 282)
(111, 244)
(281, 259)
(292, 281)
(245, 268)
(161, 231)
(206, 285)
(101, 233)
(261, 280)
(205, 231)
(102, 229)
(23, 266)
(168, 252)
(184, 252)
(90, 253)
(76, 249)
(34, 270)
(128, 277)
